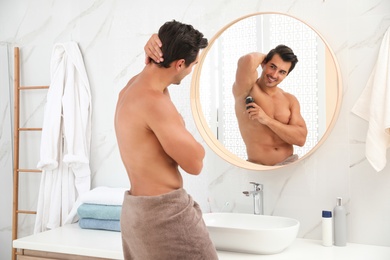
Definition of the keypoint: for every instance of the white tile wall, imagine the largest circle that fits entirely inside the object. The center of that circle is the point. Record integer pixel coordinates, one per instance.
(111, 36)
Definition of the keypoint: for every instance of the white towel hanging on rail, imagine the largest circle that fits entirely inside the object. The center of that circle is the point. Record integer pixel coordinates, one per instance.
(374, 106)
(66, 138)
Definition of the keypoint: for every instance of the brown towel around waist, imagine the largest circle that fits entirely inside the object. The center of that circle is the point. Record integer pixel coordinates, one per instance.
(168, 226)
(290, 159)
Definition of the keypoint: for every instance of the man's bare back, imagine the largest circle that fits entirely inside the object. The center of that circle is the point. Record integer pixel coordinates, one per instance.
(152, 137)
(151, 171)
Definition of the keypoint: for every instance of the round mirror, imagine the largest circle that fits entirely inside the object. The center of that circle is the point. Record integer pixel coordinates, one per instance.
(315, 82)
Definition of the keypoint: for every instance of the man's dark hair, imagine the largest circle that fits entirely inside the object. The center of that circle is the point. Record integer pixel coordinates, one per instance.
(180, 41)
(286, 53)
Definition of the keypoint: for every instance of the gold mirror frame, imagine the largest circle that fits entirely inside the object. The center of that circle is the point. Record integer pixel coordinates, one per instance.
(206, 132)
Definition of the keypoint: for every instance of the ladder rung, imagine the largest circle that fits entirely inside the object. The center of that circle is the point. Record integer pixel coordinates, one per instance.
(28, 170)
(30, 129)
(26, 212)
(33, 87)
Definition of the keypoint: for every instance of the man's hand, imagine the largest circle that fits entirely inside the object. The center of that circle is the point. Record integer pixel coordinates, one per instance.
(255, 112)
(153, 50)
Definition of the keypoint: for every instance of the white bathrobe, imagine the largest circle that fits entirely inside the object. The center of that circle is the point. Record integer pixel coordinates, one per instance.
(66, 138)
(374, 106)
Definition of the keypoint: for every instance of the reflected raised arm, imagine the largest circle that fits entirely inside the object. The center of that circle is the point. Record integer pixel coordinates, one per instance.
(246, 74)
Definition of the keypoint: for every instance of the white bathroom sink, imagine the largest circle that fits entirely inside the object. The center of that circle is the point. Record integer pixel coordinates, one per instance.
(249, 233)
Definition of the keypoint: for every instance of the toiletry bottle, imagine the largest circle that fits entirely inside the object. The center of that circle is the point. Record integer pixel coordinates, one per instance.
(327, 228)
(340, 224)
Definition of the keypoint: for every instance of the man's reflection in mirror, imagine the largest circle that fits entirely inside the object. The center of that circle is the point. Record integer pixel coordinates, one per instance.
(272, 124)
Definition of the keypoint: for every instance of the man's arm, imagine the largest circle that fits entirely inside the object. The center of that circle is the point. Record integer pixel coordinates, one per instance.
(294, 132)
(246, 74)
(168, 126)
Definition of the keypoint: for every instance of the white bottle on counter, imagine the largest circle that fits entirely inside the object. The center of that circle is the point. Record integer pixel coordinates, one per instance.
(340, 224)
(327, 228)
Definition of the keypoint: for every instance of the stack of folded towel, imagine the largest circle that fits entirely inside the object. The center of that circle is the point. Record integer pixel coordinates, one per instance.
(99, 216)
(99, 208)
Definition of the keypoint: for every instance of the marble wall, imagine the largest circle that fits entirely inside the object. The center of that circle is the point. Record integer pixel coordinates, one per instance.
(111, 35)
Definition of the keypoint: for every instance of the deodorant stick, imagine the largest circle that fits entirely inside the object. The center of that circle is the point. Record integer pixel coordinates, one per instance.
(327, 228)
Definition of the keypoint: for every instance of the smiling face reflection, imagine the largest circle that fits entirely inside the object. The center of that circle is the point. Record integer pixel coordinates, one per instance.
(272, 123)
(274, 72)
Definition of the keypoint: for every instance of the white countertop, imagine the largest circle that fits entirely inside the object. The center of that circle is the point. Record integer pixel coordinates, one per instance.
(306, 249)
(71, 239)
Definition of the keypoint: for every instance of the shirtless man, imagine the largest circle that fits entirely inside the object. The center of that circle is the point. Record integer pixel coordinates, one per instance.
(272, 124)
(159, 219)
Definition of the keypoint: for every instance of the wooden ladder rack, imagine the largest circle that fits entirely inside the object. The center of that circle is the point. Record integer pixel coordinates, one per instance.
(17, 130)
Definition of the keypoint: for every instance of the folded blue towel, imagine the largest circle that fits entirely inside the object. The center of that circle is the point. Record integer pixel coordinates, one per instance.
(104, 224)
(99, 211)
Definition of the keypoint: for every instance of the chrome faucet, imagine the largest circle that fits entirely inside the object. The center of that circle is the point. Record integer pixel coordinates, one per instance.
(257, 193)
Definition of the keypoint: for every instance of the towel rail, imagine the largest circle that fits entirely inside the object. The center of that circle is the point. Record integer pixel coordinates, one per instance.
(28, 170)
(26, 212)
(17, 130)
(30, 129)
(33, 87)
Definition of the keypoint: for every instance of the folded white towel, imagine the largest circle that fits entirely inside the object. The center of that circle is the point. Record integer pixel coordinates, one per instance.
(374, 106)
(99, 195)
